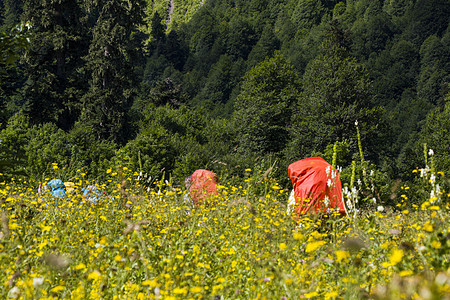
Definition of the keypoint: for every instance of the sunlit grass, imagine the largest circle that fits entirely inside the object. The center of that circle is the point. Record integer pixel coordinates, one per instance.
(144, 243)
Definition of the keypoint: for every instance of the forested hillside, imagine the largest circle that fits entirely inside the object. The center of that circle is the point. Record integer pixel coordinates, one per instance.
(167, 87)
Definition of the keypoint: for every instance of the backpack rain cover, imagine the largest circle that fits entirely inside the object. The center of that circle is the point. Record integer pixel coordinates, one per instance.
(317, 186)
(203, 186)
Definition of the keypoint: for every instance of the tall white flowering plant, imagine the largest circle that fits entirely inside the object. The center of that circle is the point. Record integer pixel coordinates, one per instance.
(362, 190)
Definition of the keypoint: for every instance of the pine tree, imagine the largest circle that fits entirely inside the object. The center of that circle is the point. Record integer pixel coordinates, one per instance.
(12, 11)
(13, 43)
(53, 61)
(267, 43)
(111, 61)
(435, 69)
(158, 34)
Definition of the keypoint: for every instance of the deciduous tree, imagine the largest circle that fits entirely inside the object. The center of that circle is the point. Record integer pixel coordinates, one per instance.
(336, 93)
(264, 106)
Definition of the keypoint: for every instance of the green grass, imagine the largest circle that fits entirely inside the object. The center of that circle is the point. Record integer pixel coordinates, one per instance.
(140, 243)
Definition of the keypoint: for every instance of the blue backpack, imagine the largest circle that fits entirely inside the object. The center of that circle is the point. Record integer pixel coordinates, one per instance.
(91, 193)
(57, 188)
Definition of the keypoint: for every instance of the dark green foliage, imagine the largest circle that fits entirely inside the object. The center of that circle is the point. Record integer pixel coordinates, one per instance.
(428, 17)
(398, 8)
(205, 90)
(88, 154)
(12, 9)
(11, 81)
(264, 105)
(372, 33)
(336, 93)
(341, 149)
(157, 33)
(31, 150)
(406, 120)
(435, 69)
(154, 70)
(222, 78)
(436, 134)
(240, 38)
(307, 13)
(178, 141)
(175, 50)
(265, 47)
(202, 34)
(52, 63)
(394, 71)
(47, 144)
(166, 92)
(394, 74)
(153, 148)
(13, 140)
(111, 58)
(13, 43)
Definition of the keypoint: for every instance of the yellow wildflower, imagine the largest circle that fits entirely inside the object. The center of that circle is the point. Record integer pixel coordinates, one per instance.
(179, 291)
(436, 244)
(95, 275)
(57, 289)
(150, 283)
(396, 257)
(428, 227)
(405, 273)
(331, 295)
(311, 295)
(314, 246)
(80, 266)
(196, 289)
(342, 255)
(298, 236)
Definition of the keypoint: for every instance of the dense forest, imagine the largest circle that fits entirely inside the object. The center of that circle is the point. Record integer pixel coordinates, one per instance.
(166, 87)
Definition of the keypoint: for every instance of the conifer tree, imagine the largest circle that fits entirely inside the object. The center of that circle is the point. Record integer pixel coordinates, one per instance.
(13, 43)
(12, 9)
(267, 43)
(158, 34)
(111, 60)
(53, 61)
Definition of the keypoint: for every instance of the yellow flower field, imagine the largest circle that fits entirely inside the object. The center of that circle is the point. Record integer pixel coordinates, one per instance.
(144, 243)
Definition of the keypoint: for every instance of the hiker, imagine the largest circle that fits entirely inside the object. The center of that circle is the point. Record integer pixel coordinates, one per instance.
(92, 194)
(316, 188)
(55, 187)
(201, 186)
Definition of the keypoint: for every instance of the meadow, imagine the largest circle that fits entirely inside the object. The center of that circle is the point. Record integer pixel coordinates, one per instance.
(141, 241)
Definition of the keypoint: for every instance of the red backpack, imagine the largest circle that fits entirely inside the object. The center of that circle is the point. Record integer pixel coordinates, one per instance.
(203, 186)
(317, 187)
